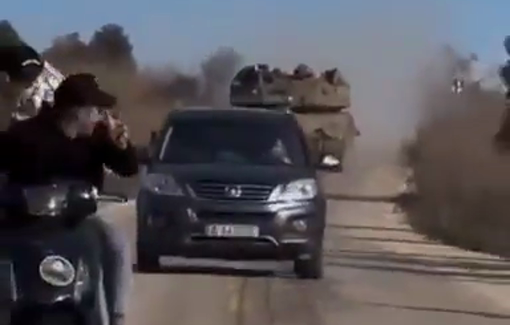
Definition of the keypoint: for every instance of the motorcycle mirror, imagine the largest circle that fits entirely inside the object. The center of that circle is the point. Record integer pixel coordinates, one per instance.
(329, 163)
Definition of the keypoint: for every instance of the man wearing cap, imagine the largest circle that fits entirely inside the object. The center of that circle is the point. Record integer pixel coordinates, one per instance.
(59, 143)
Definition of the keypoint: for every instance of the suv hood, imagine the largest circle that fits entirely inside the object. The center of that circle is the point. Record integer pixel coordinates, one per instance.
(271, 175)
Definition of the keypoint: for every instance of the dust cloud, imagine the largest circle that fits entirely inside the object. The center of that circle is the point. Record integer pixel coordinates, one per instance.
(382, 48)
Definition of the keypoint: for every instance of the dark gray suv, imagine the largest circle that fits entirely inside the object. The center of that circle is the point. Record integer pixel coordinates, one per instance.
(234, 184)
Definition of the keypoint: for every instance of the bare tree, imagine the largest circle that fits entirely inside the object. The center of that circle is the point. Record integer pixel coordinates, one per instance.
(111, 44)
(67, 50)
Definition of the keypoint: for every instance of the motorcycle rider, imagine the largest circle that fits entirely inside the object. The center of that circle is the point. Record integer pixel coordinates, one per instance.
(59, 144)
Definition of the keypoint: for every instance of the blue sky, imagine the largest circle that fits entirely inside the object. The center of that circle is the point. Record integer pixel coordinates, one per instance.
(380, 45)
(186, 30)
(481, 25)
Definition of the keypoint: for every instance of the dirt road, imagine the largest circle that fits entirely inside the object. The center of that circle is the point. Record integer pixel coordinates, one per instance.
(369, 280)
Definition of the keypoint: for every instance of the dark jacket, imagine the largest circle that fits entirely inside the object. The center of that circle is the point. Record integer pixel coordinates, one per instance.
(36, 151)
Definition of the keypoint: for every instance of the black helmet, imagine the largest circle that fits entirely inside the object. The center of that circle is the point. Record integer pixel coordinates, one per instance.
(23, 63)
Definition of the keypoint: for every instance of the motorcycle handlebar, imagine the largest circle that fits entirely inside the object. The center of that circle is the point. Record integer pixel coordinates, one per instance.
(111, 197)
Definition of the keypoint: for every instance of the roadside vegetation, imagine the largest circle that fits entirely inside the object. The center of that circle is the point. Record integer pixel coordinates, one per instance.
(462, 181)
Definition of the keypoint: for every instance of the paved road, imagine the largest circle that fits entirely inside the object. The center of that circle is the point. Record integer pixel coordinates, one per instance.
(364, 284)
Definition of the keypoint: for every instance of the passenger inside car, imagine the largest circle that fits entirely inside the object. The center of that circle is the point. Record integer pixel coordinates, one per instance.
(225, 143)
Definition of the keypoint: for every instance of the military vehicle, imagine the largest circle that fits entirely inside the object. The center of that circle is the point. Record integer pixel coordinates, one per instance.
(320, 103)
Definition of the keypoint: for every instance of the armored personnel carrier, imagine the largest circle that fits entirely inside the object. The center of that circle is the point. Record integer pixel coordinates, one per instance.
(319, 102)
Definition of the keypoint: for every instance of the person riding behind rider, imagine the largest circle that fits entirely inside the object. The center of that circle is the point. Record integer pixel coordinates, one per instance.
(30, 80)
(22, 65)
(61, 145)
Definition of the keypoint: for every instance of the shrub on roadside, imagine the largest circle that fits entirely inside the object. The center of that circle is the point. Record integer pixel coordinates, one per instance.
(463, 183)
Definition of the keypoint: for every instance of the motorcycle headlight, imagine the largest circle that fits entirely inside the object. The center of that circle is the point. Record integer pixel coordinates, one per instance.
(302, 189)
(57, 271)
(161, 184)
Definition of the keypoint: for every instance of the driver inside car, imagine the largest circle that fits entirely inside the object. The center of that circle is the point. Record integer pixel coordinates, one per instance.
(280, 152)
(59, 146)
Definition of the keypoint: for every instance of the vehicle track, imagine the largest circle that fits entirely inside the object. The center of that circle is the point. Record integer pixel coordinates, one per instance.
(277, 301)
(240, 316)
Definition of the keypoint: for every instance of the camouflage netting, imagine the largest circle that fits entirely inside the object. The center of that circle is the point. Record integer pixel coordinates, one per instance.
(302, 90)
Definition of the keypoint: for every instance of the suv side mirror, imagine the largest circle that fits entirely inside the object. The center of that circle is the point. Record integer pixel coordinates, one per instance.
(329, 163)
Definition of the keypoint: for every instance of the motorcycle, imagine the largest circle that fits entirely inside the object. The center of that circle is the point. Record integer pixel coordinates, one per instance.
(50, 270)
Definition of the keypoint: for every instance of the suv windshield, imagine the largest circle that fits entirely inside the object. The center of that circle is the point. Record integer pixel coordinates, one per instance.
(233, 141)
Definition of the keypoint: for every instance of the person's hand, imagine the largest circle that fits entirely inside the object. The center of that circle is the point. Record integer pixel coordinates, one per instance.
(118, 131)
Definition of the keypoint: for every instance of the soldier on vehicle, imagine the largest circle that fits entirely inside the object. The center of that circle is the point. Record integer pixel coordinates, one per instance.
(303, 71)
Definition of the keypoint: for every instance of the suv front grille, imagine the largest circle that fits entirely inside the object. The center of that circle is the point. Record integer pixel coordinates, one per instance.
(228, 191)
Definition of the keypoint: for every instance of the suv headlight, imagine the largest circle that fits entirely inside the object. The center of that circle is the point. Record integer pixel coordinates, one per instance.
(302, 189)
(161, 184)
(57, 271)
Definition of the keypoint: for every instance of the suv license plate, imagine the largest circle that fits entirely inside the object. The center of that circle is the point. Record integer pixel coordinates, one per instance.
(232, 231)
